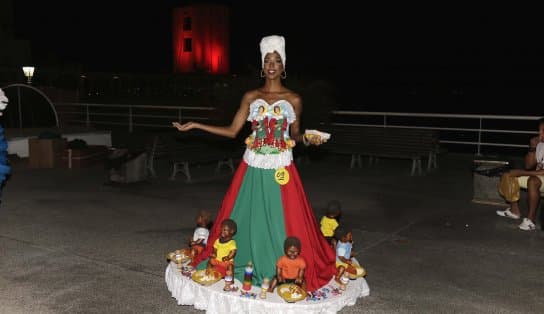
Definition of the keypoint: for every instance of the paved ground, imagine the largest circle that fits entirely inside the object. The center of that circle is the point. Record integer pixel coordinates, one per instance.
(70, 244)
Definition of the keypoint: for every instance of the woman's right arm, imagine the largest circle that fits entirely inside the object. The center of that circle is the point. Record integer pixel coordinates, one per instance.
(227, 131)
(530, 158)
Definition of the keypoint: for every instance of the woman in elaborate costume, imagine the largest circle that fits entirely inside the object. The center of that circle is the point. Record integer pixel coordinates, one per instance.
(266, 197)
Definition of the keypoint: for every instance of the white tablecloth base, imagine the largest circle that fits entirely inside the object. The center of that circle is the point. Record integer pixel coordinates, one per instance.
(213, 299)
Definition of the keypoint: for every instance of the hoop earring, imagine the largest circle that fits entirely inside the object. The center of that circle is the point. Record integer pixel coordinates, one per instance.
(262, 73)
(283, 74)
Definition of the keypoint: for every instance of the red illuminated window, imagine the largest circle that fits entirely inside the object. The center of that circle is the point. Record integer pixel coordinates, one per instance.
(187, 23)
(188, 45)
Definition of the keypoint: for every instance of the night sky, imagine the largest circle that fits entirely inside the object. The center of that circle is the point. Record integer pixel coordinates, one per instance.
(472, 43)
(124, 35)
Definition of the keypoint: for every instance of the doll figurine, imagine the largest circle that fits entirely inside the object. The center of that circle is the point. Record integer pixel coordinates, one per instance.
(290, 267)
(200, 236)
(346, 267)
(329, 222)
(224, 250)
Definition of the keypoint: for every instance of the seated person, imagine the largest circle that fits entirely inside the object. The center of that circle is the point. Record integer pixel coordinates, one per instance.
(531, 179)
(290, 267)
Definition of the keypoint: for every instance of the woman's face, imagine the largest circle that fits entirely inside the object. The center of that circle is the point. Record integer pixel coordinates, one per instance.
(273, 65)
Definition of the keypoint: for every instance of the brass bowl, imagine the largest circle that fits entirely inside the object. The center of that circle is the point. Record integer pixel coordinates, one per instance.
(361, 272)
(178, 256)
(200, 277)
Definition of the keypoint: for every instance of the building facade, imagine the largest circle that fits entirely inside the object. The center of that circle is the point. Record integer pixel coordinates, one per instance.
(201, 39)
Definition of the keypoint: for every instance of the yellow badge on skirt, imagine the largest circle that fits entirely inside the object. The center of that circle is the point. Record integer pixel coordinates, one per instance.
(281, 176)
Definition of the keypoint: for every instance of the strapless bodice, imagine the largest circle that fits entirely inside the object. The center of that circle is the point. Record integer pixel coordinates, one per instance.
(269, 141)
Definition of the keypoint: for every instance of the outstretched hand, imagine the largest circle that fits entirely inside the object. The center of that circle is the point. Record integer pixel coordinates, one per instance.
(314, 140)
(184, 127)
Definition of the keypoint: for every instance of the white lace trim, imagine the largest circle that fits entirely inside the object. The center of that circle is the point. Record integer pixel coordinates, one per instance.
(213, 299)
(268, 161)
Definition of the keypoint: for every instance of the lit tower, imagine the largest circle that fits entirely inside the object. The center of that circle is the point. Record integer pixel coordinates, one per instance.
(201, 39)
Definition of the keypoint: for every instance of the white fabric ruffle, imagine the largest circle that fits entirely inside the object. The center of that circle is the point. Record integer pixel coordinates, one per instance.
(268, 161)
(213, 299)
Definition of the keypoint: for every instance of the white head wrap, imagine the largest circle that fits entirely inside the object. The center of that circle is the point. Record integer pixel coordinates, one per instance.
(273, 43)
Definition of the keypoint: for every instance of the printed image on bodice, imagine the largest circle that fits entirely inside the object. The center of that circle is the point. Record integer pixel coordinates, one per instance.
(270, 124)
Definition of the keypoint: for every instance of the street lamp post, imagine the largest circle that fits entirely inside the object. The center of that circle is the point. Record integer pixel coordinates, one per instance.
(29, 73)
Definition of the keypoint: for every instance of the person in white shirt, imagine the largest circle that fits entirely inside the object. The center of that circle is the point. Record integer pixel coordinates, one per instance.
(531, 179)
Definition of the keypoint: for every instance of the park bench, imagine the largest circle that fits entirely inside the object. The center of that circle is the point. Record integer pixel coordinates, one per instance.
(381, 142)
(184, 152)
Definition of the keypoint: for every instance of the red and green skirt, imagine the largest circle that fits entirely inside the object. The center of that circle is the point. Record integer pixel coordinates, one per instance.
(266, 213)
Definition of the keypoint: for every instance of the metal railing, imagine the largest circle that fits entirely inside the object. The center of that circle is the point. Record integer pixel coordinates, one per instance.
(480, 129)
(128, 115)
(161, 117)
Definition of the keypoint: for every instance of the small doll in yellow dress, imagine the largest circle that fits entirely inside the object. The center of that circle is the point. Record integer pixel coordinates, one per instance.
(329, 222)
(224, 251)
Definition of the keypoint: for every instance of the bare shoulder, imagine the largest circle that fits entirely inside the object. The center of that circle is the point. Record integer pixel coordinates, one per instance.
(248, 98)
(251, 95)
(294, 99)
